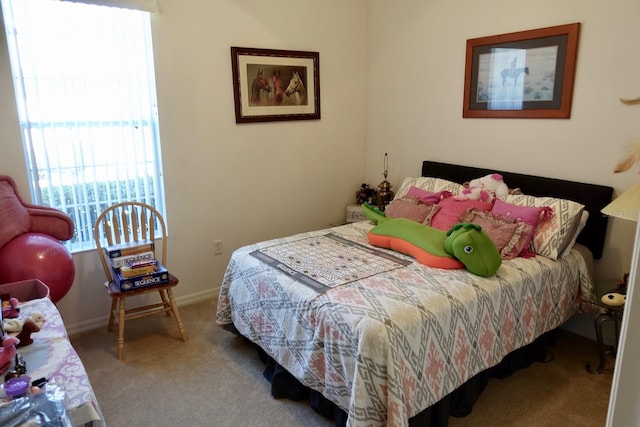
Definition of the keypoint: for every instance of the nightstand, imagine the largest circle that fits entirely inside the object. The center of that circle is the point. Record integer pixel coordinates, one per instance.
(604, 314)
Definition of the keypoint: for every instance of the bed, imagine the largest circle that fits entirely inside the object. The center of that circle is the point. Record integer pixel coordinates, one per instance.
(402, 343)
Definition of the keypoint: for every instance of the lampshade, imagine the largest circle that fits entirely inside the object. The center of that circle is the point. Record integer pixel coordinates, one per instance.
(626, 206)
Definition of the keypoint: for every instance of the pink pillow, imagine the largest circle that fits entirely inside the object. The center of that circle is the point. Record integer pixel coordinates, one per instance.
(411, 210)
(553, 231)
(528, 214)
(426, 197)
(451, 209)
(508, 234)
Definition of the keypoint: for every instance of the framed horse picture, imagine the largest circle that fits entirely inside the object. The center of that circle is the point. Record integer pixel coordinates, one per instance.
(527, 74)
(275, 85)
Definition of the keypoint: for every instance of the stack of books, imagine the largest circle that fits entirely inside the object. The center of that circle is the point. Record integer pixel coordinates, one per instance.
(135, 266)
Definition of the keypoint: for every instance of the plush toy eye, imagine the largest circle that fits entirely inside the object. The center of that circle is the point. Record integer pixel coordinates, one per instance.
(468, 249)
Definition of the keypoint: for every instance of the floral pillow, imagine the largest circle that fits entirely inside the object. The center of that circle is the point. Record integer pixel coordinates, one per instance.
(509, 235)
(450, 210)
(556, 230)
(406, 208)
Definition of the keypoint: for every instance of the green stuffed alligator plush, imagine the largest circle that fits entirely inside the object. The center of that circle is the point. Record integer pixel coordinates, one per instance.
(464, 246)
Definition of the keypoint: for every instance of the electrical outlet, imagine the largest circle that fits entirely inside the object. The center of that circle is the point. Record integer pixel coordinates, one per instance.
(217, 247)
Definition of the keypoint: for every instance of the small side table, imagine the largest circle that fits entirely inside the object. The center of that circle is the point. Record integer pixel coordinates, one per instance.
(605, 313)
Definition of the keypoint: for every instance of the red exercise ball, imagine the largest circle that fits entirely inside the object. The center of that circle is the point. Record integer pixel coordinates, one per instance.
(38, 256)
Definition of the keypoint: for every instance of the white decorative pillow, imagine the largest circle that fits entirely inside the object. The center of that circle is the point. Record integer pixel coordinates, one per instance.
(579, 226)
(430, 184)
(552, 236)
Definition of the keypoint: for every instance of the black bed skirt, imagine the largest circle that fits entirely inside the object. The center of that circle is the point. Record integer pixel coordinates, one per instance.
(458, 403)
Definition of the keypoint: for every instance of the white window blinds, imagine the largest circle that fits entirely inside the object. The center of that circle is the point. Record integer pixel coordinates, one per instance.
(151, 6)
(86, 100)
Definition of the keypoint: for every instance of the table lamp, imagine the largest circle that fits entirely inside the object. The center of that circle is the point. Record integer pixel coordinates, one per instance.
(384, 193)
(625, 386)
(626, 206)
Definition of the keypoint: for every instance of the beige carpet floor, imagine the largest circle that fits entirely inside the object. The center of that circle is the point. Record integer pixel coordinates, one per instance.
(215, 379)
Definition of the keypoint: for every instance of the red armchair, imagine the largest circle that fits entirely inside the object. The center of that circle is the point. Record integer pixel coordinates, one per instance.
(18, 217)
(30, 245)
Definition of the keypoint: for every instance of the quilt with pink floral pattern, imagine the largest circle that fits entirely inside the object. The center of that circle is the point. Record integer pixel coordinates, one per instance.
(386, 347)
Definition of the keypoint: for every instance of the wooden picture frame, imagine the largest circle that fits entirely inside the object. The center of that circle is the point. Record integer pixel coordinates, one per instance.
(527, 74)
(275, 85)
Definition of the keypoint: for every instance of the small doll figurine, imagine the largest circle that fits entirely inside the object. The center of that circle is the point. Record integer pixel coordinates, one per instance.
(7, 351)
(10, 308)
(20, 366)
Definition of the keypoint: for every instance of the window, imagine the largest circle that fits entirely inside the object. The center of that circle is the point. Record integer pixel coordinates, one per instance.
(85, 93)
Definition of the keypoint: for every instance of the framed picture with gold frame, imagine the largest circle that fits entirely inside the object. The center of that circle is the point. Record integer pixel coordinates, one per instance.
(526, 74)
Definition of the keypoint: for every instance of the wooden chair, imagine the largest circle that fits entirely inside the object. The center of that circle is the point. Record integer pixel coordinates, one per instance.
(130, 222)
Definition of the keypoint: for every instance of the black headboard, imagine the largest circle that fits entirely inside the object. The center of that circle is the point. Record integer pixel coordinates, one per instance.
(593, 196)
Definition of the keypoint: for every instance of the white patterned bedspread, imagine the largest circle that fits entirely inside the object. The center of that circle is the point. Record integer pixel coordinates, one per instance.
(387, 347)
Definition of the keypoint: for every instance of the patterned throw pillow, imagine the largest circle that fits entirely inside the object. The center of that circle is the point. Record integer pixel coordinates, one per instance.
(419, 212)
(509, 235)
(554, 233)
(451, 209)
(426, 197)
(432, 185)
(531, 215)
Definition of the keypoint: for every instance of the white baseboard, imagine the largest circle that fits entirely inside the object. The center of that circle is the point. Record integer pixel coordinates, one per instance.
(101, 322)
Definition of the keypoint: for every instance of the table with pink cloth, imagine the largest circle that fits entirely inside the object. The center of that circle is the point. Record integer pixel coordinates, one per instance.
(52, 356)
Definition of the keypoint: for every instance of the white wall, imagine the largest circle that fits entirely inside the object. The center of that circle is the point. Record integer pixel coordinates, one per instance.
(417, 60)
(236, 183)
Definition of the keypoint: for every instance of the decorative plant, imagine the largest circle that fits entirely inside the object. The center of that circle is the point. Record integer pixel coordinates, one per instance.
(365, 193)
